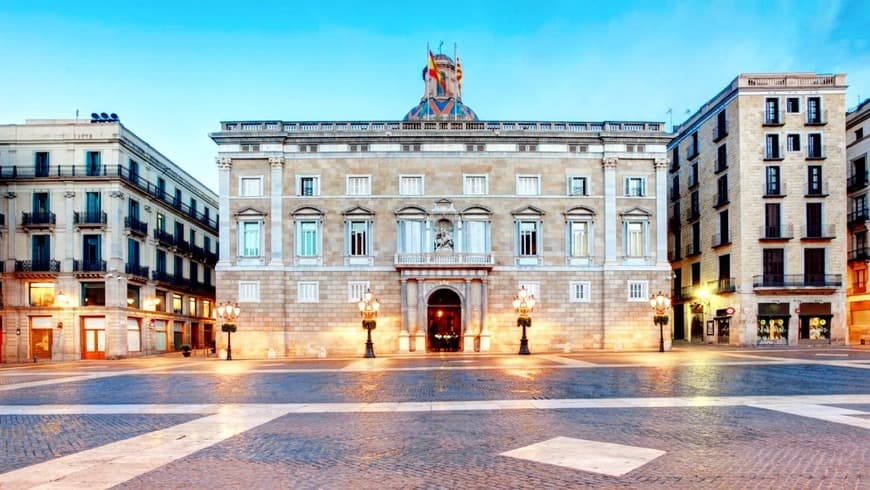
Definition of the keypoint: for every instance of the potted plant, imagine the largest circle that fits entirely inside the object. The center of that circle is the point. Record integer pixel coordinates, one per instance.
(185, 350)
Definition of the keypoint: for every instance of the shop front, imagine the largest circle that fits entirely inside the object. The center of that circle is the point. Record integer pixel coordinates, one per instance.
(815, 323)
(772, 323)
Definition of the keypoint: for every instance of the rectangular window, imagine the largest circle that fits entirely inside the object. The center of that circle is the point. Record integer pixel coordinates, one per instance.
(356, 290)
(307, 241)
(307, 292)
(91, 252)
(578, 291)
(93, 294)
(814, 266)
(177, 304)
(161, 187)
(411, 185)
(41, 293)
(771, 111)
(410, 236)
(771, 148)
(308, 185)
(793, 142)
(206, 308)
(579, 238)
(638, 290)
(251, 186)
(160, 262)
(40, 252)
(358, 238)
(133, 252)
(528, 238)
(250, 246)
(695, 205)
(475, 185)
(41, 205)
(249, 291)
(772, 182)
(693, 176)
(133, 296)
(772, 220)
(634, 186)
(161, 222)
(133, 337)
(814, 180)
(792, 105)
(577, 186)
(634, 239)
(533, 288)
(528, 185)
(176, 201)
(41, 163)
(722, 190)
(814, 219)
(814, 146)
(476, 236)
(133, 209)
(358, 185)
(721, 158)
(814, 110)
(92, 163)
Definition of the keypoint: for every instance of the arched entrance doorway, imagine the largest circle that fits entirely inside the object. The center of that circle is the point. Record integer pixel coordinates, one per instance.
(444, 320)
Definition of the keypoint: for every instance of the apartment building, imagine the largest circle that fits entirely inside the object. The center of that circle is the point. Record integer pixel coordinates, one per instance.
(757, 228)
(444, 218)
(857, 149)
(108, 248)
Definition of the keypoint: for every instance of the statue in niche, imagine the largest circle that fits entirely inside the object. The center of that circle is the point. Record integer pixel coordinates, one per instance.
(444, 235)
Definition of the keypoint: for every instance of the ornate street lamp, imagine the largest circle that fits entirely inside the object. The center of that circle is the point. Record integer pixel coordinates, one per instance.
(660, 305)
(228, 313)
(368, 310)
(524, 303)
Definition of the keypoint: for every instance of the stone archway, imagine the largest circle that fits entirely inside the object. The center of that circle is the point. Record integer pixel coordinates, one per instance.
(444, 322)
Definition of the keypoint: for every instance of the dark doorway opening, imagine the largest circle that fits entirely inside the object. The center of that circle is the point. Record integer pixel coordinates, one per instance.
(444, 320)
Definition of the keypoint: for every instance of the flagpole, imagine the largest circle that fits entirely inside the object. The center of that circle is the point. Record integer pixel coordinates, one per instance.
(428, 56)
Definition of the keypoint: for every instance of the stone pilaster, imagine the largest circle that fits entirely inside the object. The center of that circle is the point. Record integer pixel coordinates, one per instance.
(275, 215)
(470, 334)
(661, 168)
(224, 165)
(11, 220)
(610, 244)
(69, 230)
(404, 334)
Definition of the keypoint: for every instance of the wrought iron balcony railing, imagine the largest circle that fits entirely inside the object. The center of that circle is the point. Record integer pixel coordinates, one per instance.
(89, 218)
(136, 226)
(797, 280)
(89, 266)
(38, 219)
(37, 265)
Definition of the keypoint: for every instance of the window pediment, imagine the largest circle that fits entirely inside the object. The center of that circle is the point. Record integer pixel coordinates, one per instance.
(579, 212)
(476, 212)
(358, 211)
(636, 213)
(411, 212)
(250, 213)
(307, 211)
(528, 211)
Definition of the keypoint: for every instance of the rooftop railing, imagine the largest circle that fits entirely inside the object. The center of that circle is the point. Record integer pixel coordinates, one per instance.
(487, 126)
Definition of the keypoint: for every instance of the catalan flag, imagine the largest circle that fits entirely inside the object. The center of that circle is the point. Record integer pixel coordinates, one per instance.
(459, 74)
(434, 73)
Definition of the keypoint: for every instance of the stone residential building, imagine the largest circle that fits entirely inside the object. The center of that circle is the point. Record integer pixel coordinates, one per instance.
(107, 248)
(757, 225)
(443, 217)
(857, 149)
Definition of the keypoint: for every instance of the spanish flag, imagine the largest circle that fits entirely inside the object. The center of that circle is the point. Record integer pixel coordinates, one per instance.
(434, 73)
(459, 74)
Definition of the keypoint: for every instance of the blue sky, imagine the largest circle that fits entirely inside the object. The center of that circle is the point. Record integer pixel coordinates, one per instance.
(173, 70)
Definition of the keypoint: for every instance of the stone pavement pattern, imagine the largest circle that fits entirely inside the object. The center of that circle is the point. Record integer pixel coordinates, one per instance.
(723, 419)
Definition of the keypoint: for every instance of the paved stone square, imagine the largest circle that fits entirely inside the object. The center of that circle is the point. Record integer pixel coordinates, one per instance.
(697, 417)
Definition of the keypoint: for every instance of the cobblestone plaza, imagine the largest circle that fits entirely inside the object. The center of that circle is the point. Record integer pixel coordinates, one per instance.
(697, 417)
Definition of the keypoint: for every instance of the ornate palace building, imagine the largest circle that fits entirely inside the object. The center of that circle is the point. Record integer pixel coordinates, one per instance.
(107, 247)
(443, 217)
(757, 213)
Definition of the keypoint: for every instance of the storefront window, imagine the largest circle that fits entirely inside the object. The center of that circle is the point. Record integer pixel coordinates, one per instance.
(93, 294)
(816, 328)
(41, 293)
(772, 330)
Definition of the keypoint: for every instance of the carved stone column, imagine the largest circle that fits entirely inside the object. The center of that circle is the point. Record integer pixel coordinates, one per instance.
(422, 310)
(224, 165)
(116, 224)
(484, 321)
(404, 333)
(276, 214)
(661, 166)
(610, 243)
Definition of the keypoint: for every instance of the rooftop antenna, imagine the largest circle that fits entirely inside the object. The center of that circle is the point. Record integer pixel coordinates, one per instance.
(77, 114)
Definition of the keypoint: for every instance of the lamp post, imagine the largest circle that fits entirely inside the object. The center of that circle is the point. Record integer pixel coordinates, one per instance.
(229, 313)
(368, 310)
(660, 304)
(524, 303)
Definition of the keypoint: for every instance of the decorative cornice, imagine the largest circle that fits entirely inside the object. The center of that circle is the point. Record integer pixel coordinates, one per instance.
(224, 163)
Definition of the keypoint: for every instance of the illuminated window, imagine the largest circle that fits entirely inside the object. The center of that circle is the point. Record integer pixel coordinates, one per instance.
(41, 294)
(177, 305)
